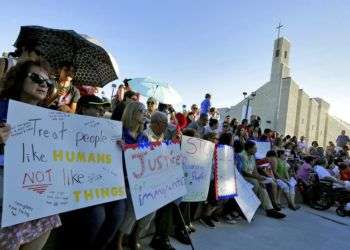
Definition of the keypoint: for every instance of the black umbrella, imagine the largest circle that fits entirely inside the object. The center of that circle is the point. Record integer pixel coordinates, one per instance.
(92, 63)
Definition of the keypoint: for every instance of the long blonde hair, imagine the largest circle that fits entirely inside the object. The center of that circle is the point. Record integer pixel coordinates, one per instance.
(128, 117)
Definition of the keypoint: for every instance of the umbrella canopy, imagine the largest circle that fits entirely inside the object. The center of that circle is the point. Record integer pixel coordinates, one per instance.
(93, 64)
(161, 91)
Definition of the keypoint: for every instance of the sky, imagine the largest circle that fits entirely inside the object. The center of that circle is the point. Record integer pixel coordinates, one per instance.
(222, 47)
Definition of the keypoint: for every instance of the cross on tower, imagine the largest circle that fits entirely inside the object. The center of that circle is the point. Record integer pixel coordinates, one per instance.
(279, 30)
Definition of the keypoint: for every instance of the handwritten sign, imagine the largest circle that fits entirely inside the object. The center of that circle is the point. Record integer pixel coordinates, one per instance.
(225, 172)
(246, 198)
(262, 149)
(198, 155)
(155, 176)
(57, 162)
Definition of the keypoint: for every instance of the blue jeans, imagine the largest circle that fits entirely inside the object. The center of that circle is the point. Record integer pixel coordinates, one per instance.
(92, 227)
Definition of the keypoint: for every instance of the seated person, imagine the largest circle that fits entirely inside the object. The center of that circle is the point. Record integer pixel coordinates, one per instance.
(251, 175)
(303, 173)
(324, 174)
(285, 181)
(344, 172)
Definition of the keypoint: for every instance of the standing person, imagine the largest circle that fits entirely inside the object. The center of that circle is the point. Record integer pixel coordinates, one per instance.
(119, 96)
(133, 124)
(241, 135)
(214, 113)
(193, 115)
(199, 125)
(29, 52)
(129, 96)
(66, 96)
(152, 106)
(206, 104)
(250, 173)
(342, 140)
(157, 132)
(26, 82)
(302, 145)
(92, 227)
(213, 126)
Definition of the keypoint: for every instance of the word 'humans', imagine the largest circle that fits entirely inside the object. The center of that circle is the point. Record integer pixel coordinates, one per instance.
(72, 156)
(98, 193)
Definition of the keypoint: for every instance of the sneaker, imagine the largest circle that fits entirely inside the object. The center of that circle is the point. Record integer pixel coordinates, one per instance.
(230, 220)
(192, 228)
(274, 214)
(207, 222)
(215, 218)
(182, 237)
(294, 208)
(161, 244)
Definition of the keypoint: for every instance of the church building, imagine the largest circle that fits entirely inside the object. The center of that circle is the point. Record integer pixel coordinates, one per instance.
(285, 107)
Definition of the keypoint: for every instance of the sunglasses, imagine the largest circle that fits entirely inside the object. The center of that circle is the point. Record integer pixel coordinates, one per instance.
(38, 79)
(150, 103)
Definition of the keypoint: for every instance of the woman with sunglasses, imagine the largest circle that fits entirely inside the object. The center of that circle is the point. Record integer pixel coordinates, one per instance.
(66, 96)
(27, 82)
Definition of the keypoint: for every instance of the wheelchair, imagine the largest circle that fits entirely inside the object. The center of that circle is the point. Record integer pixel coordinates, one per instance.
(321, 195)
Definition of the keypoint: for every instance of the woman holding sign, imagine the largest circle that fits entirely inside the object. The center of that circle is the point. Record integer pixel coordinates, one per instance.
(133, 124)
(27, 82)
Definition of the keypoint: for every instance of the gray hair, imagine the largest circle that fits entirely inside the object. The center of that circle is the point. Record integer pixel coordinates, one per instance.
(158, 116)
(130, 111)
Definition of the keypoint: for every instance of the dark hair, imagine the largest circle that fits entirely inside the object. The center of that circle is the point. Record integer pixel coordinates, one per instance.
(314, 143)
(225, 139)
(208, 136)
(320, 161)
(203, 115)
(238, 147)
(189, 132)
(308, 159)
(244, 121)
(66, 64)
(267, 130)
(248, 145)
(271, 153)
(212, 109)
(280, 153)
(12, 83)
(213, 122)
(207, 96)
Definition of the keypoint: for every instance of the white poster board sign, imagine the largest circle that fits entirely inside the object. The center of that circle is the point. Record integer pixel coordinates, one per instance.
(155, 176)
(262, 149)
(198, 161)
(246, 198)
(57, 162)
(225, 172)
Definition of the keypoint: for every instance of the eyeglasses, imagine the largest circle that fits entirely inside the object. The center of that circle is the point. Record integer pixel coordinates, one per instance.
(38, 79)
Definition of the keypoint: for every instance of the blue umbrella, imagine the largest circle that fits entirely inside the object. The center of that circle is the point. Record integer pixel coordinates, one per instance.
(161, 91)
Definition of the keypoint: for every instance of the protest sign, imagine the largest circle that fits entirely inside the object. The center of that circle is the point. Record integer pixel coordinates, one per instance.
(198, 161)
(262, 149)
(155, 175)
(246, 198)
(225, 172)
(57, 162)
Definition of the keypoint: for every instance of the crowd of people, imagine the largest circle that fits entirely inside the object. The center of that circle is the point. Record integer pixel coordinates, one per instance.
(26, 77)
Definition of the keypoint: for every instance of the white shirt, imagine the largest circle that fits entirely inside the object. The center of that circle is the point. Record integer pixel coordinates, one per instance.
(322, 172)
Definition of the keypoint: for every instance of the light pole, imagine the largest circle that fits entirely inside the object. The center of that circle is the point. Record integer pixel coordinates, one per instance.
(249, 98)
(113, 88)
